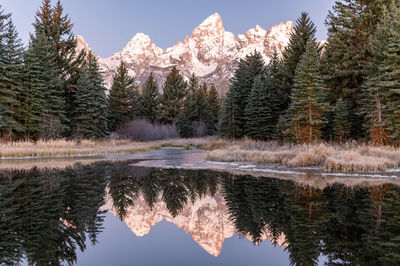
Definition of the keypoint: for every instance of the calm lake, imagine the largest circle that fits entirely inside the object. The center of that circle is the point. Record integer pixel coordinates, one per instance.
(115, 213)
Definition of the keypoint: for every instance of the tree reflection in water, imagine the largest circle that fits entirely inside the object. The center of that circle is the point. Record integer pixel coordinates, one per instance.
(45, 215)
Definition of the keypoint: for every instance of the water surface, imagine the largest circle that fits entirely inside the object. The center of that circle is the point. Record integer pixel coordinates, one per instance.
(119, 213)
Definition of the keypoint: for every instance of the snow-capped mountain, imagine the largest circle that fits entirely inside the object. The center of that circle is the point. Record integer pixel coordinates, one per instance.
(206, 220)
(210, 52)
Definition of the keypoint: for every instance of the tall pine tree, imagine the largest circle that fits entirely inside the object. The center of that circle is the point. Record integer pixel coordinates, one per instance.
(11, 64)
(258, 112)
(233, 117)
(36, 99)
(308, 103)
(350, 25)
(214, 110)
(90, 116)
(123, 99)
(304, 32)
(382, 88)
(150, 99)
(51, 22)
(173, 97)
(341, 124)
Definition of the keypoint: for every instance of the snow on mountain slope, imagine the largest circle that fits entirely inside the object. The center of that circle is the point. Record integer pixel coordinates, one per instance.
(210, 52)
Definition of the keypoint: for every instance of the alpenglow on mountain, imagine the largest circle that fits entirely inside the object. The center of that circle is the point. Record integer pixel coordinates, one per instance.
(211, 53)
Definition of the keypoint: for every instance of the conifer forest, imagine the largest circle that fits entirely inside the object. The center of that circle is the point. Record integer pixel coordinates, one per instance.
(347, 88)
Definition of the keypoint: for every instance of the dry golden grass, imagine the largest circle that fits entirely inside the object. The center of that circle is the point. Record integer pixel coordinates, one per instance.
(349, 157)
(345, 158)
(63, 148)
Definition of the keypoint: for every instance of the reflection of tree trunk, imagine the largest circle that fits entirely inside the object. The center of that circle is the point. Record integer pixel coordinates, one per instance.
(378, 195)
(379, 216)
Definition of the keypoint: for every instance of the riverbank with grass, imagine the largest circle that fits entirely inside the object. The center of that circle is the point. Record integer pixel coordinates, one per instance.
(349, 157)
(64, 148)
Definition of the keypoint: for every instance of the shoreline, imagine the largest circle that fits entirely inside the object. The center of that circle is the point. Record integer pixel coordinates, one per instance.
(335, 158)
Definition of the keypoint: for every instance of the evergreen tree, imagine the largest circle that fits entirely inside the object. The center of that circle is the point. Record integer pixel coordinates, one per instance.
(191, 109)
(150, 99)
(214, 110)
(382, 94)
(226, 128)
(233, 117)
(184, 125)
(203, 109)
(258, 112)
(98, 98)
(275, 94)
(193, 103)
(51, 22)
(42, 75)
(32, 98)
(173, 97)
(123, 98)
(308, 104)
(350, 25)
(274, 80)
(89, 120)
(341, 124)
(11, 59)
(304, 32)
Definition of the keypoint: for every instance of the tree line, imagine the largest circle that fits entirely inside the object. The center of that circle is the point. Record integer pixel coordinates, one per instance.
(347, 88)
(188, 105)
(52, 90)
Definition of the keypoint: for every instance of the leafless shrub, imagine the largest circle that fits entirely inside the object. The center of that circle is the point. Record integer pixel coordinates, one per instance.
(143, 130)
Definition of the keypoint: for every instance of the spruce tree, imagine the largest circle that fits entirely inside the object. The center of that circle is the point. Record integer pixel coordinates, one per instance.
(275, 92)
(41, 82)
(51, 22)
(214, 110)
(173, 97)
(304, 32)
(258, 112)
(191, 110)
(123, 98)
(11, 64)
(382, 94)
(350, 25)
(41, 67)
(89, 119)
(308, 103)
(98, 98)
(150, 99)
(202, 104)
(233, 117)
(192, 104)
(184, 125)
(341, 124)
(226, 128)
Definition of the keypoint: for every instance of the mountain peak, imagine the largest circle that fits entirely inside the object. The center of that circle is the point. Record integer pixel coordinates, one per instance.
(212, 23)
(141, 43)
(82, 44)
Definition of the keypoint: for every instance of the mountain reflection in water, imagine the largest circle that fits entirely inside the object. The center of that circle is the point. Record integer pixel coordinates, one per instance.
(48, 215)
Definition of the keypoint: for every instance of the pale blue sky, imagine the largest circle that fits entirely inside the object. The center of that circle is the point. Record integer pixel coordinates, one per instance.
(107, 25)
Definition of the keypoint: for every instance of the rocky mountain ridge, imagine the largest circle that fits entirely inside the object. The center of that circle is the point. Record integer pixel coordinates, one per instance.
(210, 52)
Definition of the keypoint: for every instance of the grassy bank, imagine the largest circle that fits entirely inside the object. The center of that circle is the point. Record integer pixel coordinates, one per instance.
(348, 157)
(62, 148)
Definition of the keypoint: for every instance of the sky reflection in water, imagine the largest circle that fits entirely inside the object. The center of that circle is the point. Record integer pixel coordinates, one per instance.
(111, 213)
